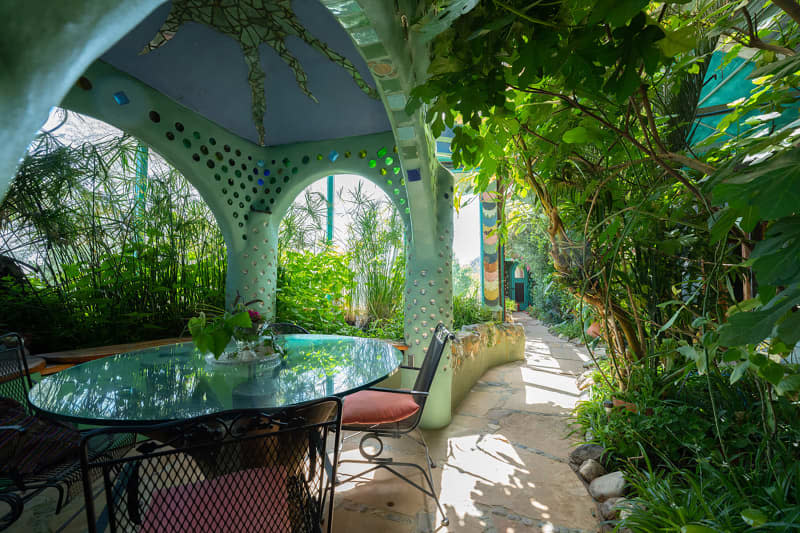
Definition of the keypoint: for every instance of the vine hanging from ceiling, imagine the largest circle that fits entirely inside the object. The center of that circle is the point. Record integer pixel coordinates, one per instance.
(252, 23)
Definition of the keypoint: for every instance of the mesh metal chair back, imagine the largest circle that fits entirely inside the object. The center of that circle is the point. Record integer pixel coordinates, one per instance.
(371, 439)
(15, 381)
(39, 453)
(287, 328)
(243, 470)
(432, 357)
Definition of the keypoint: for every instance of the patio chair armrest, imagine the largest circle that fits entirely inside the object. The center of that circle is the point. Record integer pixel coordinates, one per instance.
(17, 428)
(400, 391)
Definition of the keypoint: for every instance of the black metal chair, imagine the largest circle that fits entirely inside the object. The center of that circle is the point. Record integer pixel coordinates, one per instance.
(35, 453)
(286, 328)
(242, 470)
(15, 504)
(379, 412)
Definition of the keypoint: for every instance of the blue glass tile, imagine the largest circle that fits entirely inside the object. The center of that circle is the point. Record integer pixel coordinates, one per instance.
(397, 101)
(405, 133)
(260, 181)
(333, 156)
(414, 175)
(365, 37)
(266, 172)
(121, 98)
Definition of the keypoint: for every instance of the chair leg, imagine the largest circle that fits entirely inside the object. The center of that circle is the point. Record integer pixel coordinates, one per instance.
(388, 463)
(424, 444)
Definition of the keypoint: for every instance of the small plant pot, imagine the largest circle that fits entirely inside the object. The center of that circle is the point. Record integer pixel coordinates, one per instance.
(630, 407)
(594, 330)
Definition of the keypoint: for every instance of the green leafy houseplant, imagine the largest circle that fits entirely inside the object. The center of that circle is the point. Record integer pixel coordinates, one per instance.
(243, 325)
(214, 335)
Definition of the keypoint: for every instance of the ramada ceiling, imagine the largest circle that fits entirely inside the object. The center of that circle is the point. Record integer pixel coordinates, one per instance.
(205, 70)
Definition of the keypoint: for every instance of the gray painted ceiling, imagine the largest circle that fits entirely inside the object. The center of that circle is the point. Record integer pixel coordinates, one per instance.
(205, 71)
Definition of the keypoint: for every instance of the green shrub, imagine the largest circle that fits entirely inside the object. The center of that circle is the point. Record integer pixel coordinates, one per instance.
(572, 329)
(105, 262)
(468, 310)
(717, 497)
(311, 290)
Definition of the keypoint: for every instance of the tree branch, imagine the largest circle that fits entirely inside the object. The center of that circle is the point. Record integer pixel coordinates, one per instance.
(790, 7)
(753, 41)
(691, 163)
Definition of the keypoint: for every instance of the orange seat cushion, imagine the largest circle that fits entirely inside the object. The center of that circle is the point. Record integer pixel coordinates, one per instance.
(369, 407)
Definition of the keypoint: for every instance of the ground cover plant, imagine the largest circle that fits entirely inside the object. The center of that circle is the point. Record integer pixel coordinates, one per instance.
(682, 245)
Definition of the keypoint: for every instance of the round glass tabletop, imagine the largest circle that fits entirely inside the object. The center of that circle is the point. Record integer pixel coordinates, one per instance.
(177, 381)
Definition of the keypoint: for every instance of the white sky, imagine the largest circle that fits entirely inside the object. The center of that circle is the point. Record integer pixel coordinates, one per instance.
(466, 241)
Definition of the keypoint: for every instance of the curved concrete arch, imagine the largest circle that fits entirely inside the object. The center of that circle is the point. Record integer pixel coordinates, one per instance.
(46, 45)
(247, 187)
(297, 187)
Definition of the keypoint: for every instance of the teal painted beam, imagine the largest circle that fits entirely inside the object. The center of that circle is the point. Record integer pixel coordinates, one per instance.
(330, 210)
(140, 187)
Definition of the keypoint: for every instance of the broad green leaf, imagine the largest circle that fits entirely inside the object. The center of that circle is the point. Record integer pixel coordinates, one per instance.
(721, 222)
(754, 517)
(776, 259)
(241, 320)
(755, 326)
(788, 384)
(678, 41)
(772, 372)
(576, 135)
(739, 371)
(733, 354)
(789, 329)
(219, 339)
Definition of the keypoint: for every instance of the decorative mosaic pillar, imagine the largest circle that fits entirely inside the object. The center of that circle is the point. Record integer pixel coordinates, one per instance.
(397, 59)
(491, 264)
(429, 300)
(253, 264)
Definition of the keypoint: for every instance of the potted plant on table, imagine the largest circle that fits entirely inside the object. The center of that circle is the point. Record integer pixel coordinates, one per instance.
(213, 335)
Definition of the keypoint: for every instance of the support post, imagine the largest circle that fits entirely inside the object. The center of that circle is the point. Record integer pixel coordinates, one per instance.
(330, 210)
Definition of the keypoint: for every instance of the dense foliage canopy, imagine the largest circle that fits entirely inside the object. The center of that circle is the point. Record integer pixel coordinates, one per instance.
(683, 245)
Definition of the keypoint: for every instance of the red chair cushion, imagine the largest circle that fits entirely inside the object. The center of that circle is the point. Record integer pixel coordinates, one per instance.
(248, 500)
(42, 443)
(369, 407)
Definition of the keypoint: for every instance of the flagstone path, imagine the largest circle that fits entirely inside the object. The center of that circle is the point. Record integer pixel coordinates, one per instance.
(502, 462)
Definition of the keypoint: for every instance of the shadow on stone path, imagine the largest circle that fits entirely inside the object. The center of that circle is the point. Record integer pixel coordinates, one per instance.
(502, 461)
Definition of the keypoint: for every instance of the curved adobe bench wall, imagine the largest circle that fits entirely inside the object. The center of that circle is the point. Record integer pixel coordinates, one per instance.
(480, 347)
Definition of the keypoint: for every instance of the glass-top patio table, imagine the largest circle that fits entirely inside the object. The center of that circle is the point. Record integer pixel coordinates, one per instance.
(176, 381)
